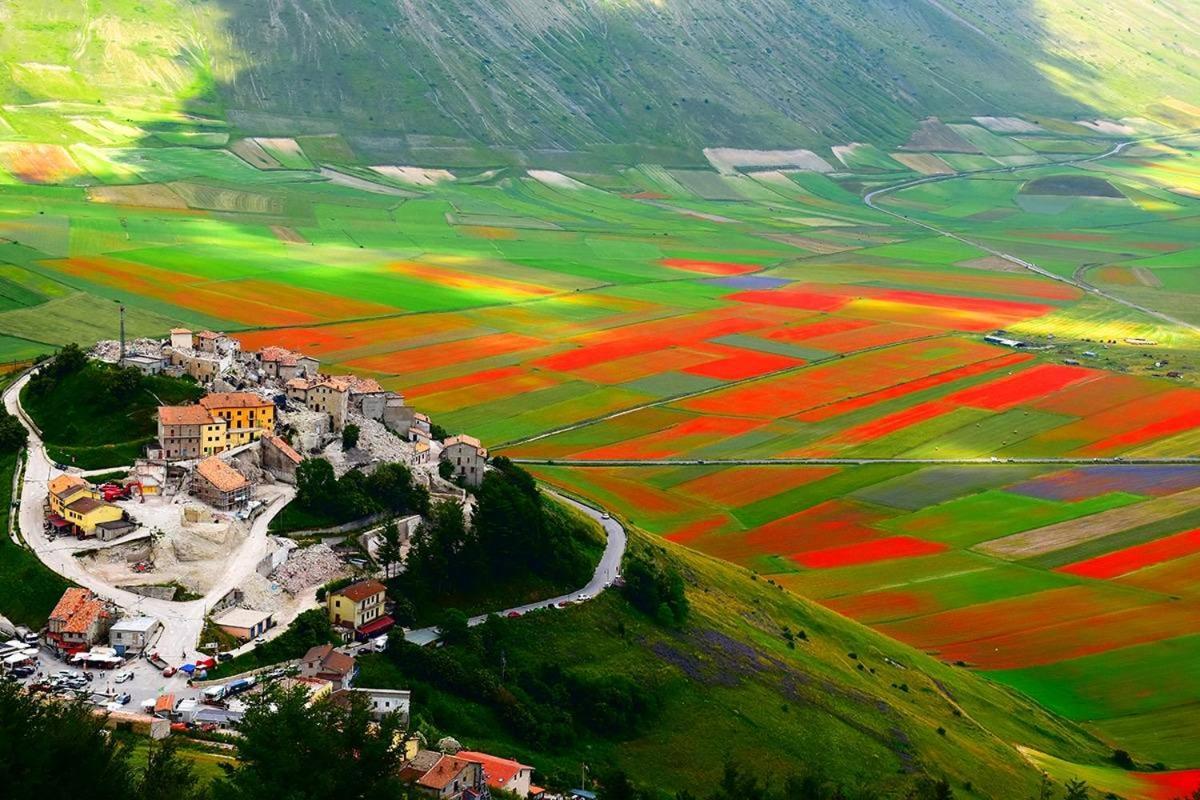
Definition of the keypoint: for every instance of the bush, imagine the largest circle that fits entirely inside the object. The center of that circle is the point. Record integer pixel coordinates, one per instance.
(656, 591)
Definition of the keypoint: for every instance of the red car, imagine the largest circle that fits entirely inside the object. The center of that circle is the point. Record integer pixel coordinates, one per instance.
(513, 614)
(169, 671)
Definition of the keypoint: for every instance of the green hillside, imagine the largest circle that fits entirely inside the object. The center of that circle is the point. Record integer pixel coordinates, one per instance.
(429, 82)
(839, 700)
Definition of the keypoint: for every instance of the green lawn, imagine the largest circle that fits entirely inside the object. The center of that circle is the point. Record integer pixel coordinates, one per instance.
(28, 589)
(83, 427)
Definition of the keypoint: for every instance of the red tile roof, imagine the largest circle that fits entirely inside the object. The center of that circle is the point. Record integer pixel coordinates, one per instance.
(222, 476)
(498, 771)
(357, 592)
(280, 444)
(184, 415)
(444, 771)
(218, 400)
(70, 602)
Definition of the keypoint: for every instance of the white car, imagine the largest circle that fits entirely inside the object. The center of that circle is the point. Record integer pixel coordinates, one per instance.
(122, 677)
(606, 515)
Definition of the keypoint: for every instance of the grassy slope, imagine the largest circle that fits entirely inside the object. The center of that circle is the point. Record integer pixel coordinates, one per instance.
(28, 589)
(754, 699)
(81, 430)
(602, 74)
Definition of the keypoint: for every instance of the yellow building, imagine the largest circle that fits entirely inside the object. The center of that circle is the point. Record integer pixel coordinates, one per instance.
(247, 415)
(359, 606)
(88, 513)
(66, 488)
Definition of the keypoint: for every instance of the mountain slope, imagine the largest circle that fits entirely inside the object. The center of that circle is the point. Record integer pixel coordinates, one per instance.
(577, 74)
(843, 701)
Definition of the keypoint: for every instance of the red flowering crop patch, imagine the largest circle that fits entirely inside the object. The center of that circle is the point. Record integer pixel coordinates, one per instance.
(920, 384)
(1171, 785)
(681, 438)
(885, 549)
(1049, 642)
(875, 336)
(887, 604)
(709, 267)
(1030, 384)
(739, 486)
(1121, 562)
(633, 340)
(824, 326)
(799, 297)
(401, 362)
(743, 364)
(822, 384)
(985, 305)
(829, 524)
(870, 431)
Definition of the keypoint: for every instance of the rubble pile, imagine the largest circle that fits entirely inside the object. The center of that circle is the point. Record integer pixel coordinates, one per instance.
(311, 427)
(110, 349)
(311, 566)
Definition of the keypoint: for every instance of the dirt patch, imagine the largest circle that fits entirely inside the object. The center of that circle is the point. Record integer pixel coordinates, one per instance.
(286, 234)
(1146, 277)
(39, 163)
(924, 163)
(934, 135)
(992, 264)
(252, 153)
(728, 159)
(149, 195)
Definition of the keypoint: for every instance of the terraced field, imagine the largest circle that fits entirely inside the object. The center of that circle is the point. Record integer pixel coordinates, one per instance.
(656, 313)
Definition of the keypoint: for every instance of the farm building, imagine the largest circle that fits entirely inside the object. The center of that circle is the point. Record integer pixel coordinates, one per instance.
(220, 485)
(132, 634)
(79, 620)
(244, 623)
(467, 456)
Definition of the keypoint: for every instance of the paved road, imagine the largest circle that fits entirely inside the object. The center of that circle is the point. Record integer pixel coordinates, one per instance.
(182, 621)
(870, 197)
(607, 570)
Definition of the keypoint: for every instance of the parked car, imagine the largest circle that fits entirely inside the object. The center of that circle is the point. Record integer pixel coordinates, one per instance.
(123, 698)
(513, 614)
(23, 672)
(124, 675)
(169, 671)
(223, 657)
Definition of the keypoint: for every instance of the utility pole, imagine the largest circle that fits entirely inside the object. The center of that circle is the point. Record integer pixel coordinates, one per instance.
(121, 359)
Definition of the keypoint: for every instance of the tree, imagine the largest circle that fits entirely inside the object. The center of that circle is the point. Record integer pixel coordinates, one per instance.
(389, 547)
(167, 776)
(656, 590)
(37, 739)
(436, 547)
(1077, 790)
(350, 437)
(454, 626)
(289, 749)
(316, 485)
(391, 485)
(13, 436)
(445, 470)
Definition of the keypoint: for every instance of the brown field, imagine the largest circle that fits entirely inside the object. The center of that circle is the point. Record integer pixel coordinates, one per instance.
(924, 163)
(1067, 534)
(146, 195)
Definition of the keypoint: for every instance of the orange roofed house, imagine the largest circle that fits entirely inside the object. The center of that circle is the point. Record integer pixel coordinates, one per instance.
(79, 620)
(220, 485)
(444, 776)
(502, 773)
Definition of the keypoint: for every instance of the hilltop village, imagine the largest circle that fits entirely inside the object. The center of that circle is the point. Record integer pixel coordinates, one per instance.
(202, 559)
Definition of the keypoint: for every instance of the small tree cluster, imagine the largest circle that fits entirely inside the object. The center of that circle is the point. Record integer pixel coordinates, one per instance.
(656, 590)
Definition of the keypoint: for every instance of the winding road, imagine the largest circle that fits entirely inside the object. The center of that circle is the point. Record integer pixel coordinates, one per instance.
(870, 197)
